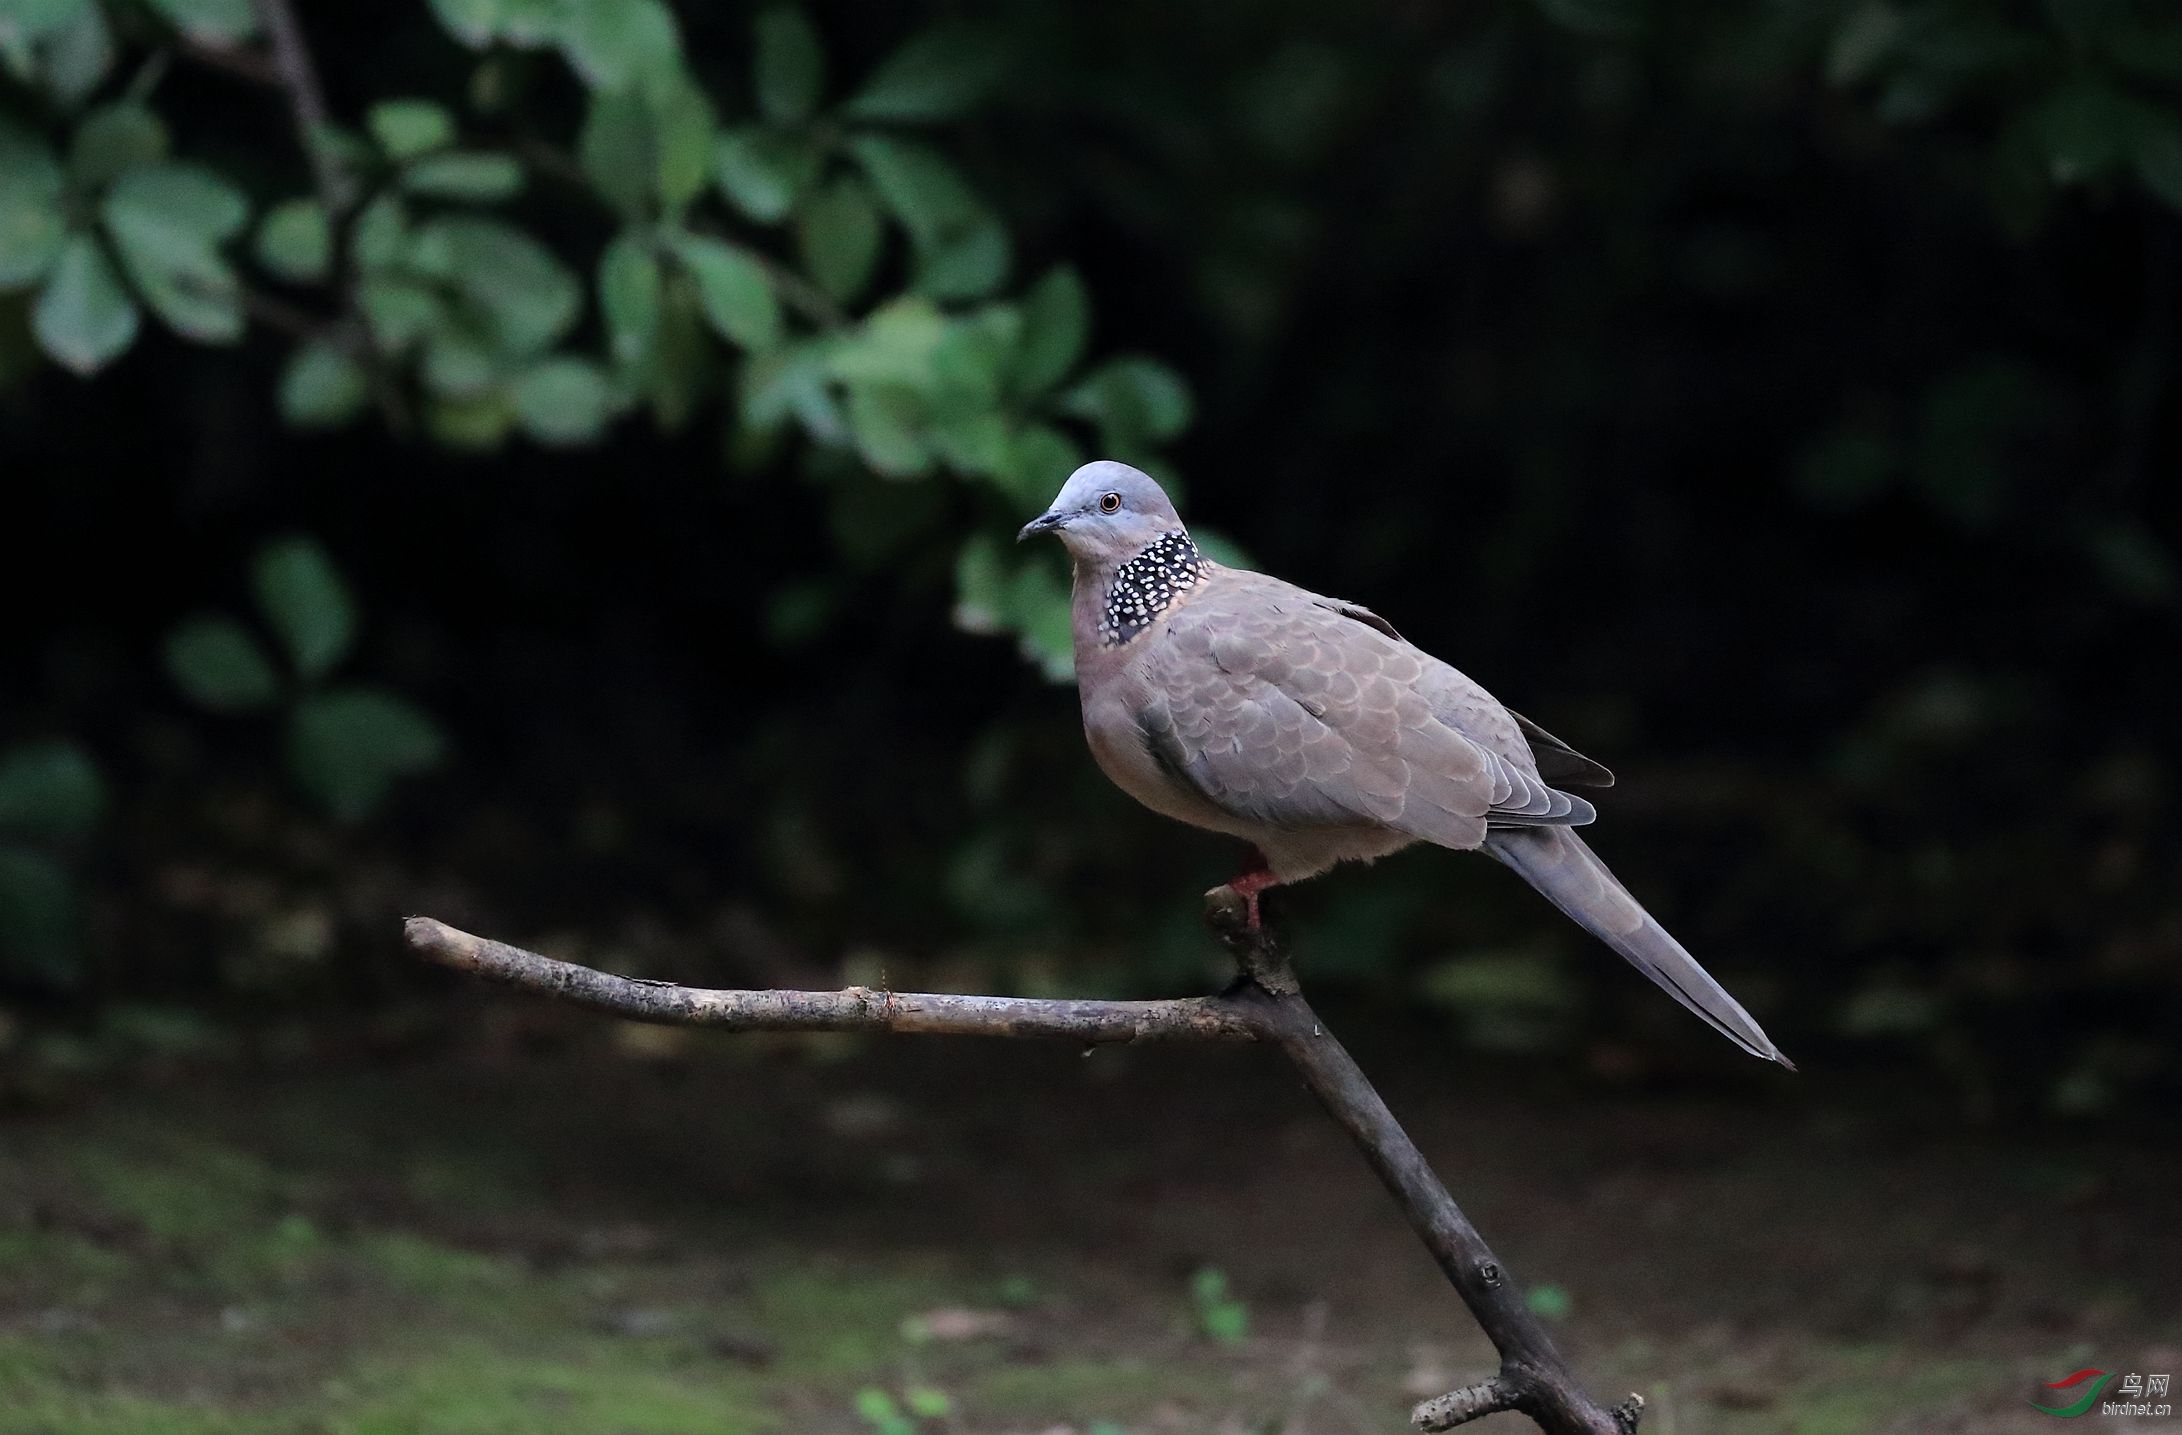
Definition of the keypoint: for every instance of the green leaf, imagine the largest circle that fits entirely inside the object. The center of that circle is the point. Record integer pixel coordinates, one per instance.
(738, 297)
(32, 226)
(84, 319)
(790, 66)
(620, 45)
(38, 919)
(682, 136)
(563, 402)
(77, 56)
(307, 604)
(400, 311)
(49, 790)
(615, 150)
(939, 75)
(197, 296)
(322, 387)
(528, 299)
(459, 363)
(215, 22)
(2157, 157)
(838, 234)
(380, 234)
(977, 444)
(293, 241)
(682, 358)
(920, 187)
(1056, 327)
(763, 172)
(347, 748)
(167, 222)
(479, 421)
(1134, 401)
(790, 384)
(895, 344)
(1039, 461)
(473, 22)
(114, 139)
(220, 666)
(886, 422)
(469, 175)
(2087, 128)
(629, 298)
(25, 20)
(966, 265)
(408, 128)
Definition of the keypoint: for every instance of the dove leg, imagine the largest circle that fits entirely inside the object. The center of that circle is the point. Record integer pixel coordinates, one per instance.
(1255, 879)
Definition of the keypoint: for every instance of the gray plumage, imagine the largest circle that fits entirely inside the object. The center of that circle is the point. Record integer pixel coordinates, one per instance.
(1310, 728)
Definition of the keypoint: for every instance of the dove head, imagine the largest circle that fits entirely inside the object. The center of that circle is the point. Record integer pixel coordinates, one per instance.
(1107, 512)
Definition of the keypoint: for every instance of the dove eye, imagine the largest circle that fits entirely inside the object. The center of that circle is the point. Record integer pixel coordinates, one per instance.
(1111, 503)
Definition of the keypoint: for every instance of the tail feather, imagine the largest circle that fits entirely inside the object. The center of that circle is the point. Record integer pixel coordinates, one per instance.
(1558, 863)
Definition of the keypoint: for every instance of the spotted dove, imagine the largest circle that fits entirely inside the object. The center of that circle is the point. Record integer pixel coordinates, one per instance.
(1308, 727)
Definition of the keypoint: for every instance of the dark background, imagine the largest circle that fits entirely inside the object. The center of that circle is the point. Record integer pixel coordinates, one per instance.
(1797, 445)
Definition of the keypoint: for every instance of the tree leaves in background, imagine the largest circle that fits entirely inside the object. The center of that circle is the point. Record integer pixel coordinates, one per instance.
(479, 178)
(38, 919)
(213, 22)
(790, 66)
(408, 128)
(293, 241)
(167, 223)
(348, 747)
(32, 230)
(220, 666)
(1056, 330)
(520, 290)
(940, 75)
(49, 790)
(84, 319)
(112, 140)
(839, 235)
(630, 298)
(763, 172)
(1134, 401)
(322, 387)
(738, 297)
(563, 402)
(307, 604)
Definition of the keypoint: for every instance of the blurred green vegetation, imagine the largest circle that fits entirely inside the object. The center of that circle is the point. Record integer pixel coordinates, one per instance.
(617, 412)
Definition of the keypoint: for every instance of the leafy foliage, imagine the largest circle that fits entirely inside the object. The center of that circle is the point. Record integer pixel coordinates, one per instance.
(346, 745)
(743, 268)
(51, 796)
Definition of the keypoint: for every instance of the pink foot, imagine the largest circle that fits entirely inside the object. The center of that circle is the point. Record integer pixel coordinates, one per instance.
(1250, 884)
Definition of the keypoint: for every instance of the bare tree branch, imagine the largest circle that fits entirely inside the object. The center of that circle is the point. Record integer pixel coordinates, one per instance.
(291, 57)
(855, 1009)
(1264, 1005)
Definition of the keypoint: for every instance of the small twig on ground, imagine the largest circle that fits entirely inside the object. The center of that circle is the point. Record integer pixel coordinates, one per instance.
(1265, 1005)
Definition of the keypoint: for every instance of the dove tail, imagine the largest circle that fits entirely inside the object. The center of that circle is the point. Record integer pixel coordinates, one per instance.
(1556, 862)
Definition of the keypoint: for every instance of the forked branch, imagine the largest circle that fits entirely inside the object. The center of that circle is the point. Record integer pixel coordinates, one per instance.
(1265, 1004)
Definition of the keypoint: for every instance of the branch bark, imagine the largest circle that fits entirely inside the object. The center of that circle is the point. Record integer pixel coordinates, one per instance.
(291, 61)
(1264, 1005)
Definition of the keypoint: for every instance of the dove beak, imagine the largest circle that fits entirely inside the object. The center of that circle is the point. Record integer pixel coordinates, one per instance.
(1044, 523)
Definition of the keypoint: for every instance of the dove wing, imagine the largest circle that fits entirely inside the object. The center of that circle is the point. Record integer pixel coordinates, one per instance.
(1284, 709)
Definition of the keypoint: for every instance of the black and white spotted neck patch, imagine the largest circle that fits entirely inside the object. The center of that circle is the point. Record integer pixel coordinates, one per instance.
(1147, 584)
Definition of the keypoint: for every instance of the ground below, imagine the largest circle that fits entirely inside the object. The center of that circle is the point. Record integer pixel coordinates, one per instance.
(599, 1230)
